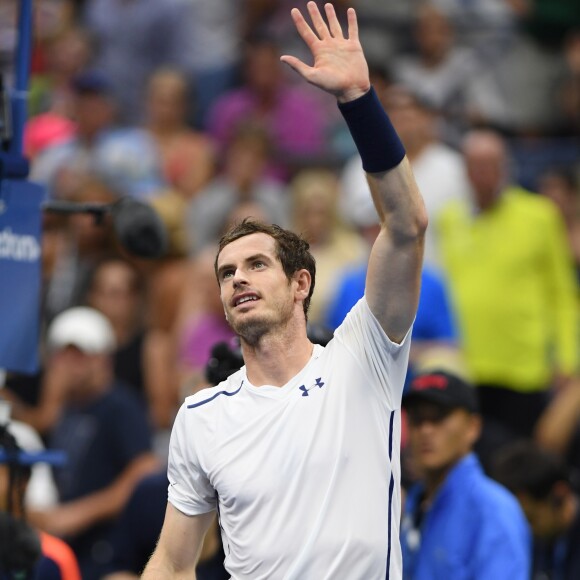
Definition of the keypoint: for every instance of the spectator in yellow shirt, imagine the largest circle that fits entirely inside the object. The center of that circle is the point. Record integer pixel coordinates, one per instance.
(511, 277)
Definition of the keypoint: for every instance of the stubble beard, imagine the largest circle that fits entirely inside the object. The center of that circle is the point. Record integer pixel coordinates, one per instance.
(252, 330)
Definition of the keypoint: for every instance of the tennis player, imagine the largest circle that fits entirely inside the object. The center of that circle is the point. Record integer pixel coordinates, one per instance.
(298, 451)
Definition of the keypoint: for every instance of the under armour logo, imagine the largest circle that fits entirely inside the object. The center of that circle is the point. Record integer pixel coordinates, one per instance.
(318, 384)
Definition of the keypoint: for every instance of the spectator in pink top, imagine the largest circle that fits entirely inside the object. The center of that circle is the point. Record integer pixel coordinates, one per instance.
(294, 119)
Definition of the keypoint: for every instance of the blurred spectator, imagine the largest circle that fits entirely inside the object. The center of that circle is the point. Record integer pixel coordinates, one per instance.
(457, 522)
(74, 245)
(315, 195)
(561, 186)
(165, 283)
(511, 278)
(558, 428)
(270, 17)
(24, 551)
(544, 486)
(548, 21)
(201, 322)
(241, 180)
(486, 26)
(439, 170)
(50, 17)
(103, 430)
(213, 50)
(530, 66)
(187, 156)
(8, 36)
(66, 55)
(52, 95)
(126, 159)
(294, 120)
(384, 26)
(439, 72)
(51, 102)
(133, 39)
(242, 211)
(139, 360)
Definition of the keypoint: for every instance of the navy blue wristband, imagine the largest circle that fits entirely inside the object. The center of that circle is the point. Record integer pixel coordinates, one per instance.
(375, 137)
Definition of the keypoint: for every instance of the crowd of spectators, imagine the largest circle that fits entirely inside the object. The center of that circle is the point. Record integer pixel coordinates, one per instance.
(184, 104)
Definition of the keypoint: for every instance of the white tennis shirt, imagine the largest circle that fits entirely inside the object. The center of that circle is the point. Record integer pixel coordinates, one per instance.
(305, 477)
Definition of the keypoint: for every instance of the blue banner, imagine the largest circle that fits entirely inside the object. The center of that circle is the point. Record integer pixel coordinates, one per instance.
(20, 274)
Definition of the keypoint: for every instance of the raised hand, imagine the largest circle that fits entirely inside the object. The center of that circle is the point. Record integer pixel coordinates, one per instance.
(340, 67)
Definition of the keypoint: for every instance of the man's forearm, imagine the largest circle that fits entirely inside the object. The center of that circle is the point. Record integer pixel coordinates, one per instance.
(395, 194)
(399, 204)
(160, 569)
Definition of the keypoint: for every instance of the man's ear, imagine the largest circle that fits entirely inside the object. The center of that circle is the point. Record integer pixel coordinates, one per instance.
(303, 281)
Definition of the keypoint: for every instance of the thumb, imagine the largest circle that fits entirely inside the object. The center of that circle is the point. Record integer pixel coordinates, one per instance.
(301, 68)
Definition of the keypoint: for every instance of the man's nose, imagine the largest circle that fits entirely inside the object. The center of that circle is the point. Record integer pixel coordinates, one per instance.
(239, 278)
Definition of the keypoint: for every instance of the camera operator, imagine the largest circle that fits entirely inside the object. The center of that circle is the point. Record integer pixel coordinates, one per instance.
(25, 553)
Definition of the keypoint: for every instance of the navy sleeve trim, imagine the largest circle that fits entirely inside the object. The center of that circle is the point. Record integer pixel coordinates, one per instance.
(226, 393)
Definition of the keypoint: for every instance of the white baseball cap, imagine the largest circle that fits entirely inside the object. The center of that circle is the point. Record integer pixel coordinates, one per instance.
(85, 328)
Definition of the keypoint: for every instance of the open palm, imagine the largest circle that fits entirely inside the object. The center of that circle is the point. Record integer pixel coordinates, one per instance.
(339, 65)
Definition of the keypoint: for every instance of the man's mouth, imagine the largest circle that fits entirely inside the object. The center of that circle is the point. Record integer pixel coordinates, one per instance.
(245, 299)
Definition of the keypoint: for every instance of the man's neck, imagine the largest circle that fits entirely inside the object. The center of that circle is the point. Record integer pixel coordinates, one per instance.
(276, 359)
(433, 481)
(435, 478)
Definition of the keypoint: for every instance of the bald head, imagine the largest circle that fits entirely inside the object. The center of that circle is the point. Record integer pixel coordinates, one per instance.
(486, 157)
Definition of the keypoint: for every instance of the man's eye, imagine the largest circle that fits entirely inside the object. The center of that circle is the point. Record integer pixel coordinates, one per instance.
(259, 264)
(226, 274)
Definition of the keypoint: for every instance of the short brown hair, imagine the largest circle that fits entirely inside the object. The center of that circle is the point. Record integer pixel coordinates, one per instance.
(292, 250)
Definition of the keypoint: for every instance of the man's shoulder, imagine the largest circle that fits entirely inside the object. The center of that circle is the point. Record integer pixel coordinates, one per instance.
(491, 499)
(469, 491)
(530, 205)
(360, 327)
(211, 397)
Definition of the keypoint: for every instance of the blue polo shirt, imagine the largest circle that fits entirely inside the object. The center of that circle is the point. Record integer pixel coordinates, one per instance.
(473, 530)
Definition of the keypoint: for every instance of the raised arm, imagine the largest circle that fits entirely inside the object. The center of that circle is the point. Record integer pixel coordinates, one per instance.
(179, 546)
(340, 68)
